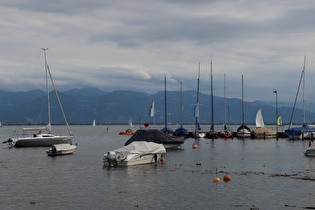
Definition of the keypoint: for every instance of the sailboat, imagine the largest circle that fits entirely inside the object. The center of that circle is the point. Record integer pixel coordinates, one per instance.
(181, 131)
(261, 131)
(166, 129)
(130, 123)
(225, 133)
(279, 121)
(43, 135)
(243, 131)
(300, 132)
(212, 134)
(93, 123)
(198, 133)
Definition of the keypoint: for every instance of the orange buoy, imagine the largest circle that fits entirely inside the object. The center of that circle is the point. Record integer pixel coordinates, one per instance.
(194, 146)
(162, 159)
(227, 178)
(216, 180)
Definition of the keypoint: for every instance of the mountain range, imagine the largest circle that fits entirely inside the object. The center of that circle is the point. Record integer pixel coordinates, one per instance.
(82, 106)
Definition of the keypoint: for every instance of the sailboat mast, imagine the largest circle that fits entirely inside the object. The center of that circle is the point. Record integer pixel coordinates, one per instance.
(224, 102)
(243, 116)
(212, 108)
(297, 93)
(181, 103)
(303, 102)
(48, 73)
(197, 104)
(165, 105)
(47, 86)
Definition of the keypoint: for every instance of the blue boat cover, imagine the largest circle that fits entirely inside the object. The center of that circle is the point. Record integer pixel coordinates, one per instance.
(167, 129)
(298, 130)
(181, 131)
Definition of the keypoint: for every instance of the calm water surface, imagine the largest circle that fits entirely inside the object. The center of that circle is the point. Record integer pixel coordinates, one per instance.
(266, 174)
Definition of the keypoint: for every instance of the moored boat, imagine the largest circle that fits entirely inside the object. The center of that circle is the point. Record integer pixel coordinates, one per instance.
(127, 132)
(135, 153)
(243, 131)
(181, 131)
(61, 149)
(261, 132)
(27, 137)
(310, 150)
(156, 136)
(299, 132)
(166, 128)
(198, 133)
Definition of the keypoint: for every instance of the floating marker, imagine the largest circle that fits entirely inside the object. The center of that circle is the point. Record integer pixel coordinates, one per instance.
(216, 180)
(227, 178)
(162, 159)
(194, 146)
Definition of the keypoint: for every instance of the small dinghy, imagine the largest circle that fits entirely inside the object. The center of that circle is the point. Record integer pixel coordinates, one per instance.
(61, 149)
(310, 152)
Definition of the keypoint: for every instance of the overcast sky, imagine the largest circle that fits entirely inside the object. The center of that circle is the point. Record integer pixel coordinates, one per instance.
(131, 45)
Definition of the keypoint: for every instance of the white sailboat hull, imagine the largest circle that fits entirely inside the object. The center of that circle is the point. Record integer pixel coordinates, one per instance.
(200, 135)
(243, 133)
(42, 140)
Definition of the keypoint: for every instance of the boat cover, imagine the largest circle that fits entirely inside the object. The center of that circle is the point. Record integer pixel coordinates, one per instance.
(167, 129)
(298, 130)
(266, 131)
(139, 147)
(154, 135)
(181, 131)
(63, 147)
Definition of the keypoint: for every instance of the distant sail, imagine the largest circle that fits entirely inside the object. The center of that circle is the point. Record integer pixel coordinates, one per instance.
(279, 121)
(130, 123)
(151, 112)
(93, 123)
(259, 119)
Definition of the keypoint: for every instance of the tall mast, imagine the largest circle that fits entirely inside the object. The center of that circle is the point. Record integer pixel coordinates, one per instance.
(212, 108)
(47, 86)
(224, 103)
(297, 94)
(165, 106)
(197, 104)
(48, 74)
(243, 116)
(181, 103)
(303, 102)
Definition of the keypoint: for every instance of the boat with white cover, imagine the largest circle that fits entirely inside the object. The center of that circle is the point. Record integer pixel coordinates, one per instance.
(135, 153)
(61, 149)
(261, 132)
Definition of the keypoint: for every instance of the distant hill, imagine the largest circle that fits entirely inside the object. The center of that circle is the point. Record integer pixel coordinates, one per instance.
(82, 106)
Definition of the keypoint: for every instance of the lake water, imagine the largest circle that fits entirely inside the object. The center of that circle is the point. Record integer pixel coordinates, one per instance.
(266, 174)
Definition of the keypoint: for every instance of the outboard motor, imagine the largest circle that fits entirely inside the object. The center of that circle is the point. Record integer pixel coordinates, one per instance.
(7, 141)
(111, 158)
